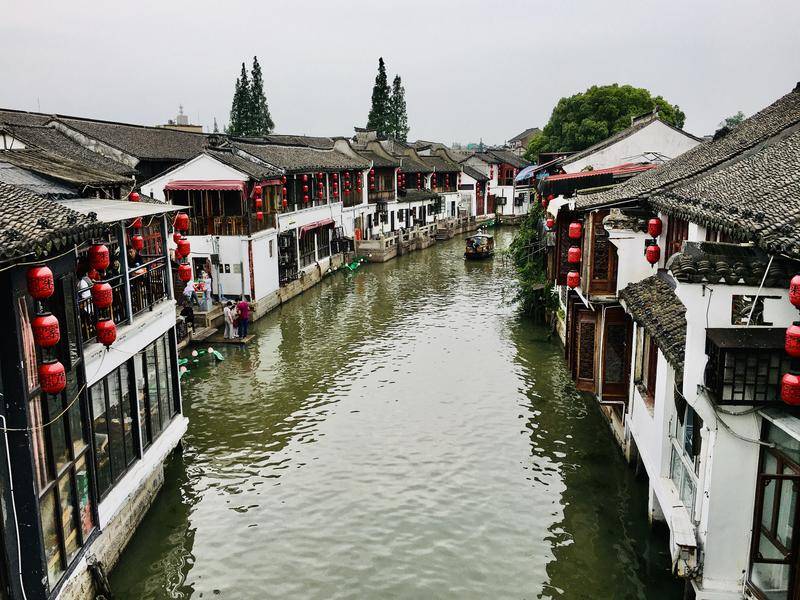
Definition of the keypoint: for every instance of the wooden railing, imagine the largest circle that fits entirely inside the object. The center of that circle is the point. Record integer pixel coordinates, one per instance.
(231, 225)
(380, 195)
(89, 313)
(148, 285)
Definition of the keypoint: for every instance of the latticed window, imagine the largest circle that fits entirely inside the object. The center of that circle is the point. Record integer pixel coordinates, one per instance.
(745, 366)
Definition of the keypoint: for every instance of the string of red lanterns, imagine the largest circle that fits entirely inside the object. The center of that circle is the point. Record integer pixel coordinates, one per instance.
(46, 329)
(790, 382)
(574, 254)
(183, 247)
(652, 251)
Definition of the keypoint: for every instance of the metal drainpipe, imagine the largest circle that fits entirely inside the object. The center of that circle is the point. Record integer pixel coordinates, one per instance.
(123, 254)
(164, 234)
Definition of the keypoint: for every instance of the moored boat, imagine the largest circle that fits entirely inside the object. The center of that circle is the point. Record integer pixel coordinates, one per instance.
(478, 246)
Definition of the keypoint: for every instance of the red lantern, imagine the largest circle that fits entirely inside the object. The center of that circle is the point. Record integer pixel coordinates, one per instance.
(654, 227)
(347, 174)
(283, 192)
(99, 258)
(93, 274)
(544, 203)
(573, 279)
(790, 389)
(575, 230)
(305, 198)
(52, 377)
(184, 272)
(182, 221)
(133, 196)
(792, 344)
(320, 175)
(320, 185)
(137, 223)
(794, 291)
(257, 190)
(335, 194)
(102, 294)
(137, 242)
(283, 178)
(40, 282)
(371, 187)
(259, 203)
(260, 216)
(176, 237)
(184, 247)
(285, 203)
(372, 172)
(305, 189)
(106, 332)
(653, 253)
(46, 331)
(550, 222)
(305, 178)
(574, 255)
(550, 197)
(335, 177)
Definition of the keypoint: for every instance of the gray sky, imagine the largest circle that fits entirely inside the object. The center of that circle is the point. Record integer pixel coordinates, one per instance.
(471, 68)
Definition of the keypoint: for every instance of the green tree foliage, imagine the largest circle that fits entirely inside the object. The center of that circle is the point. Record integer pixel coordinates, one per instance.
(239, 122)
(589, 117)
(378, 118)
(529, 257)
(398, 118)
(261, 120)
(733, 120)
(249, 110)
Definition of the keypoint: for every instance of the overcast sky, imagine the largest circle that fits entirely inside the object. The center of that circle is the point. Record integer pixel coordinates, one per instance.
(472, 69)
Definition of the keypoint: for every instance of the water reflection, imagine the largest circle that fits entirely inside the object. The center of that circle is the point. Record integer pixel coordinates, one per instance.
(398, 432)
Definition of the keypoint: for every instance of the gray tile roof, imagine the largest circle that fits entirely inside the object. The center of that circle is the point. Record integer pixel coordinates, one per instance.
(732, 264)
(256, 170)
(42, 186)
(296, 159)
(416, 195)
(54, 141)
(653, 304)
(140, 141)
(526, 134)
(441, 165)
(756, 197)
(474, 173)
(498, 156)
(377, 160)
(34, 227)
(62, 169)
(781, 115)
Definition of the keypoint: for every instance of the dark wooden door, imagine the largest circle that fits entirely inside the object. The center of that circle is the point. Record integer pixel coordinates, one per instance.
(617, 334)
(603, 258)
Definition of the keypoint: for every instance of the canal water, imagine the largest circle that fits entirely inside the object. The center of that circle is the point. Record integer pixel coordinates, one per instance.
(400, 432)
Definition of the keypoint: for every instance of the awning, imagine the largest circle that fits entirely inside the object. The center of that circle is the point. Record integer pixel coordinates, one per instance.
(208, 184)
(316, 225)
(113, 211)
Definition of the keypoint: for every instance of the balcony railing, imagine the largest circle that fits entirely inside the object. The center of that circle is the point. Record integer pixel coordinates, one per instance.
(89, 313)
(148, 285)
(230, 225)
(380, 195)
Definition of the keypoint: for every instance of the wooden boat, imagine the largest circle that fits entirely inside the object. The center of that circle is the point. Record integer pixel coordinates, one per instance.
(480, 245)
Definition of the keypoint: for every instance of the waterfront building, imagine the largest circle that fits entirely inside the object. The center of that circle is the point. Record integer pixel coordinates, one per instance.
(696, 343)
(473, 190)
(91, 395)
(519, 143)
(501, 167)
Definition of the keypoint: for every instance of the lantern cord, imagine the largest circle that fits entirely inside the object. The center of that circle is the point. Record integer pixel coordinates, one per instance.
(72, 250)
(63, 412)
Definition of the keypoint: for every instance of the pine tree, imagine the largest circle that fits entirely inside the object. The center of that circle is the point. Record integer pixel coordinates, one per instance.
(261, 123)
(398, 119)
(240, 107)
(379, 113)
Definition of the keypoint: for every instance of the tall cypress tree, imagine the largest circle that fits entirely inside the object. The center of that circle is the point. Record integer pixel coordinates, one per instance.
(398, 119)
(261, 123)
(240, 120)
(379, 113)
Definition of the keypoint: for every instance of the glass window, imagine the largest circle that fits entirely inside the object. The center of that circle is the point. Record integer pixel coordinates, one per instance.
(68, 516)
(52, 548)
(84, 502)
(152, 390)
(141, 395)
(163, 373)
(41, 462)
(58, 438)
(128, 412)
(101, 442)
(115, 427)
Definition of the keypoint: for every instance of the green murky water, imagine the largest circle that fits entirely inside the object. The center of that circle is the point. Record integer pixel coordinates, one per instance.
(396, 433)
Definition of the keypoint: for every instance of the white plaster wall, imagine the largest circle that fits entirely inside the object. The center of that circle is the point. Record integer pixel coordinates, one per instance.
(632, 265)
(298, 218)
(265, 267)
(655, 137)
(202, 168)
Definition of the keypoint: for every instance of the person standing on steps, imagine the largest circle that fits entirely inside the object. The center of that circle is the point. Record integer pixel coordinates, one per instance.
(244, 317)
(228, 312)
